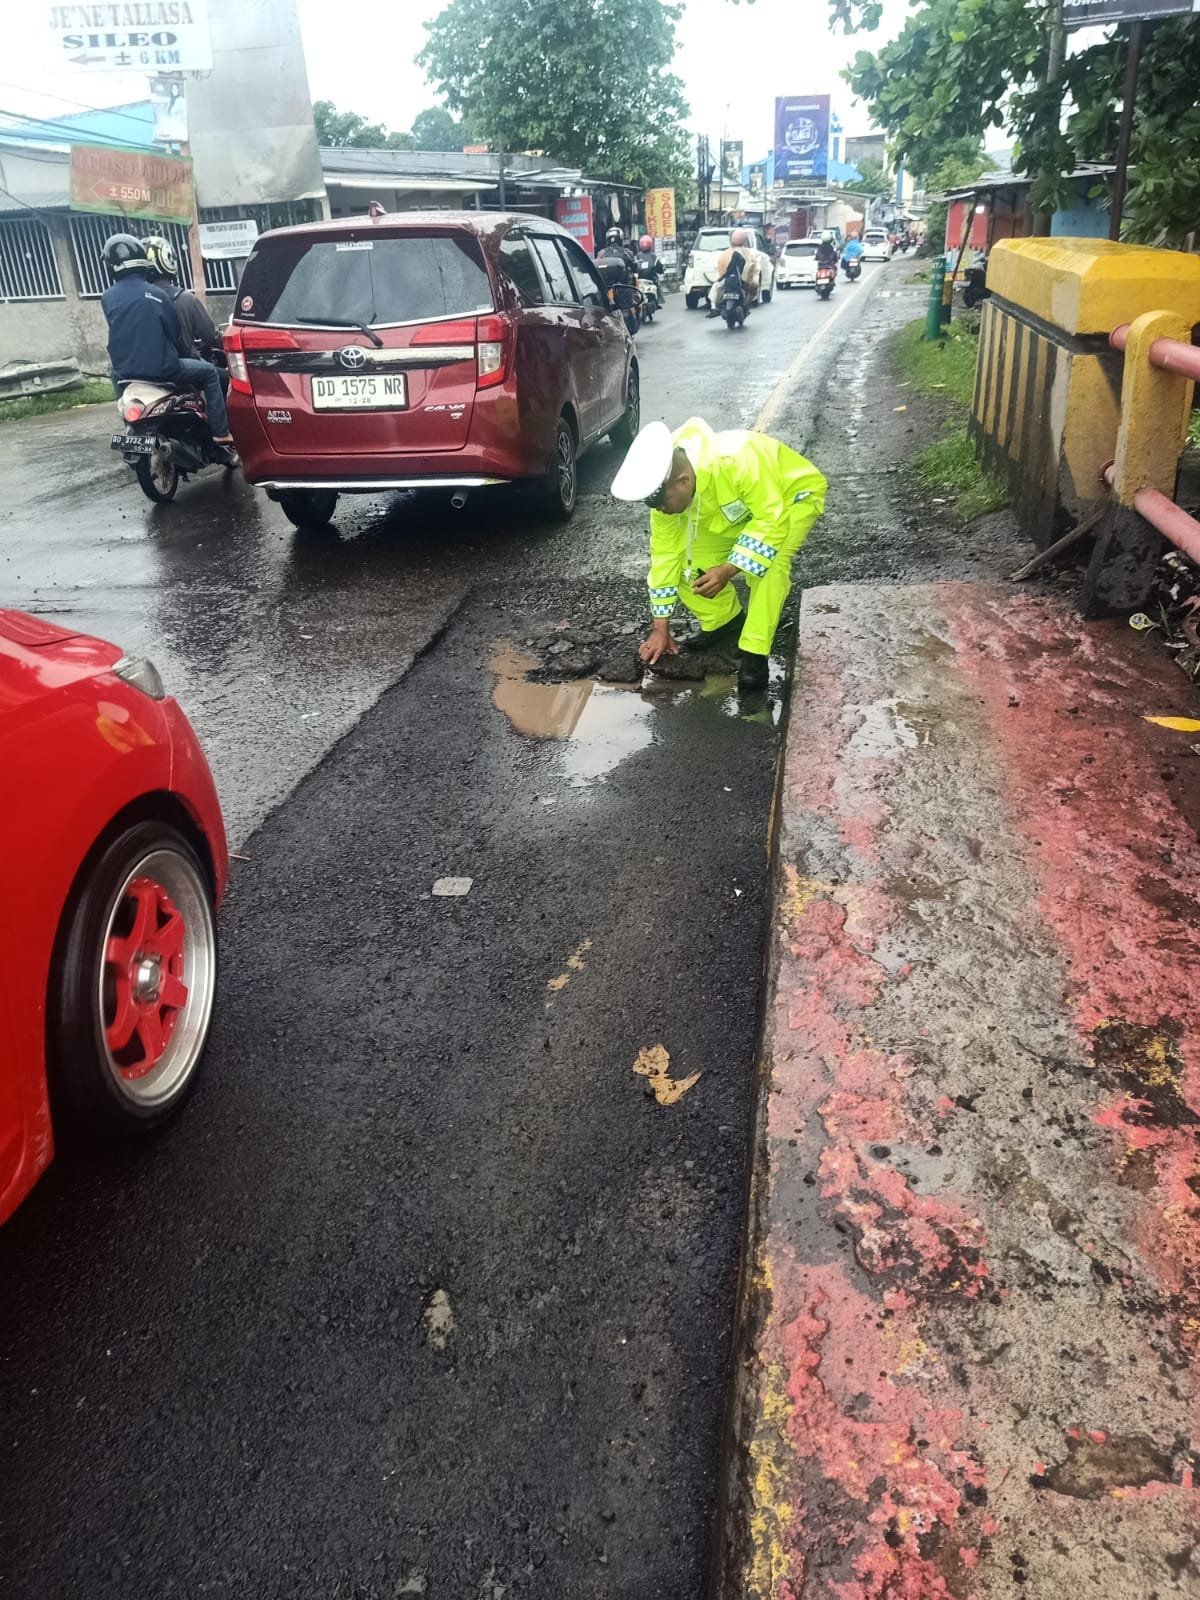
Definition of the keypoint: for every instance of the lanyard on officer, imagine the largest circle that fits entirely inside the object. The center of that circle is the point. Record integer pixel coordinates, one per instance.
(693, 522)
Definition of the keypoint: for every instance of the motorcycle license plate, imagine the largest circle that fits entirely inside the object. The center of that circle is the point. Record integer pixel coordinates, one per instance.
(134, 444)
(381, 392)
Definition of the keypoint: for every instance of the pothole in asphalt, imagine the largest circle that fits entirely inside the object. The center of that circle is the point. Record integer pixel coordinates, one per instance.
(598, 724)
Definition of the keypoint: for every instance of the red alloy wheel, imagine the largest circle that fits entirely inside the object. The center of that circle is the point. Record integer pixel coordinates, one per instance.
(144, 991)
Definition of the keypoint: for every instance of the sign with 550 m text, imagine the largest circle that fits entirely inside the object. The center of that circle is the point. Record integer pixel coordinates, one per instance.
(132, 35)
(135, 183)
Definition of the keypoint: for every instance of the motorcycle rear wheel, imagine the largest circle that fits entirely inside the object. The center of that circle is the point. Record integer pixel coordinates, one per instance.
(157, 476)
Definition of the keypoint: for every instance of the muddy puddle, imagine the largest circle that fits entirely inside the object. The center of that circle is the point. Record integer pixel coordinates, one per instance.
(599, 725)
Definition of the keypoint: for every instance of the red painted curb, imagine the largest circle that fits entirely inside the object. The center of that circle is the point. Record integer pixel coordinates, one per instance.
(972, 1295)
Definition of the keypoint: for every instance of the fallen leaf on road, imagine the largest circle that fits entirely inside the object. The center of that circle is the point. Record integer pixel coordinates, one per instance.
(1176, 724)
(575, 963)
(439, 1319)
(899, 408)
(654, 1063)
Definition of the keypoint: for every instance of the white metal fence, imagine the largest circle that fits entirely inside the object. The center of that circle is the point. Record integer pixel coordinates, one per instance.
(28, 269)
(89, 232)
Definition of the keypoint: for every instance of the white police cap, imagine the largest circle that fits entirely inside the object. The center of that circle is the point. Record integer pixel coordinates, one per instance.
(646, 464)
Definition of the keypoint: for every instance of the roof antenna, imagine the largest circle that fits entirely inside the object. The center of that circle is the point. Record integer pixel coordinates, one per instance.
(375, 211)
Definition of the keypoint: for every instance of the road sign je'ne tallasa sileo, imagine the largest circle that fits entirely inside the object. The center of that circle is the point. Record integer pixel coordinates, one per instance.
(132, 35)
(1094, 13)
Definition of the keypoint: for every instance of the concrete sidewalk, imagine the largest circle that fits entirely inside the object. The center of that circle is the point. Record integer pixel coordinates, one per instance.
(974, 1300)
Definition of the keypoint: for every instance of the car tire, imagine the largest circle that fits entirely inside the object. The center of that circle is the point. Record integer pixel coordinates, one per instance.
(766, 296)
(308, 508)
(132, 983)
(625, 432)
(158, 477)
(693, 300)
(560, 486)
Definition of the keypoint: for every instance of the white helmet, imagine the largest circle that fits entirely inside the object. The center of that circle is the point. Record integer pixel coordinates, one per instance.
(827, 236)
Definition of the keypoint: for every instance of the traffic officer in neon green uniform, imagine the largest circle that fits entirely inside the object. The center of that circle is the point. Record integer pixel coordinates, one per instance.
(720, 504)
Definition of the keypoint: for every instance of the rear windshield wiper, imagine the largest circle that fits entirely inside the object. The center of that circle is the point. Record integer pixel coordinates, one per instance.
(329, 322)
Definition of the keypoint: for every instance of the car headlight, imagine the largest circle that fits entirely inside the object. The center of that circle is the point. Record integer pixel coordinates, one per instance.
(142, 674)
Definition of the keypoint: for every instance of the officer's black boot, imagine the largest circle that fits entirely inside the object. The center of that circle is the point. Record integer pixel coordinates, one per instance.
(753, 672)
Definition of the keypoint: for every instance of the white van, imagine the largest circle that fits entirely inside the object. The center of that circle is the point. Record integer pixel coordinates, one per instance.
(875, 245)
(797, 266)
(701, 271)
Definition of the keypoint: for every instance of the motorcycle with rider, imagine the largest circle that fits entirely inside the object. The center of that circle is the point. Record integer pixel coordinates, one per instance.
(159, 381)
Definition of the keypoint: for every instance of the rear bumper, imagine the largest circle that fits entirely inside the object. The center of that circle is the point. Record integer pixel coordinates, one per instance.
(275, 486)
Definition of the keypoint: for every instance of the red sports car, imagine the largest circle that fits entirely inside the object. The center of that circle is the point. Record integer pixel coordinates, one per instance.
(112, 863)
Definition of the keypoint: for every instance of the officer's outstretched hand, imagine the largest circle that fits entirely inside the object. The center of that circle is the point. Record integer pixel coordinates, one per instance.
(658, 643)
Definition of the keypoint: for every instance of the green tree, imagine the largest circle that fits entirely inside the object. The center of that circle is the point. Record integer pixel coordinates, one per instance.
(336, 127)
(872, 178)
(586, 81)
(436, 129)
(956, 169)
(959, 67)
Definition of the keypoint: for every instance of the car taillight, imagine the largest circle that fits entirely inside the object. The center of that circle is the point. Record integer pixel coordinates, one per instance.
(239, 376)
(493, 345)
(238, 339)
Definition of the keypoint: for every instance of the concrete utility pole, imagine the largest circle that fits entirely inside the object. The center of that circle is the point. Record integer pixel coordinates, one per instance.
(1040, 222)
(1125, 137)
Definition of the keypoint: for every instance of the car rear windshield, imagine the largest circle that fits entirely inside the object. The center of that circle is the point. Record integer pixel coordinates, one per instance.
(875, 238)
(801, 250)
(712, 239)
(312, 279)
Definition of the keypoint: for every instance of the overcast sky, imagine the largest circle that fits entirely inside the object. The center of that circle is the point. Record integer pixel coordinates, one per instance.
(733, 61)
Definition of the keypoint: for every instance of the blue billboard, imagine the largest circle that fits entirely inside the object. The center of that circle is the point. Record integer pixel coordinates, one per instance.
(801, 137)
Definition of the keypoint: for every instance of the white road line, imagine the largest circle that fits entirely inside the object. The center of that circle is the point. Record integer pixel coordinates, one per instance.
(785, 385)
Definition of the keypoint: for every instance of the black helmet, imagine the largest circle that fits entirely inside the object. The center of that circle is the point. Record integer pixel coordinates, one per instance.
(123, 253)
(160, 253)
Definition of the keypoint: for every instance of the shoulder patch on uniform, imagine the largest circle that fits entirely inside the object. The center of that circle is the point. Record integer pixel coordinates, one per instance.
(735, 511)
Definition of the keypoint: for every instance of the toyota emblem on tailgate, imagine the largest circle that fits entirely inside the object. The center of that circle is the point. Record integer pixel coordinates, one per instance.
(353, 356)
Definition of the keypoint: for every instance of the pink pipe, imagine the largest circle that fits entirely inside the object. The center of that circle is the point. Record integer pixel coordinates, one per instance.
(1172, 355)
(1171, 521)
(1161, 512)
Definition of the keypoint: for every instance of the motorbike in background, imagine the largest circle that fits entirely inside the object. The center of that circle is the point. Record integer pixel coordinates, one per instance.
(976, 290)
(647, 287)
(167, 436)
(623, 296)
(852, 267)
(826, 282)
(733, 304)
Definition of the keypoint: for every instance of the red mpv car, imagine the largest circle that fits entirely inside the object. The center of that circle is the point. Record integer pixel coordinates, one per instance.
(112, 863)
(446, 350)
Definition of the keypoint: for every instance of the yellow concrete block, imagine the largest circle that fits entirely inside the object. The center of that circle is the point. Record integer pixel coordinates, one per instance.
(1091, 286)
(1155, 409)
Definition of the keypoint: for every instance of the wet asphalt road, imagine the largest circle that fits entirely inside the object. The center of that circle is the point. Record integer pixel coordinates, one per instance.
(425, 1293)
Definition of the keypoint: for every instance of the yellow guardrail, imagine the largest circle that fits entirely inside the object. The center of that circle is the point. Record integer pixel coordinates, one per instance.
(1047, 409)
